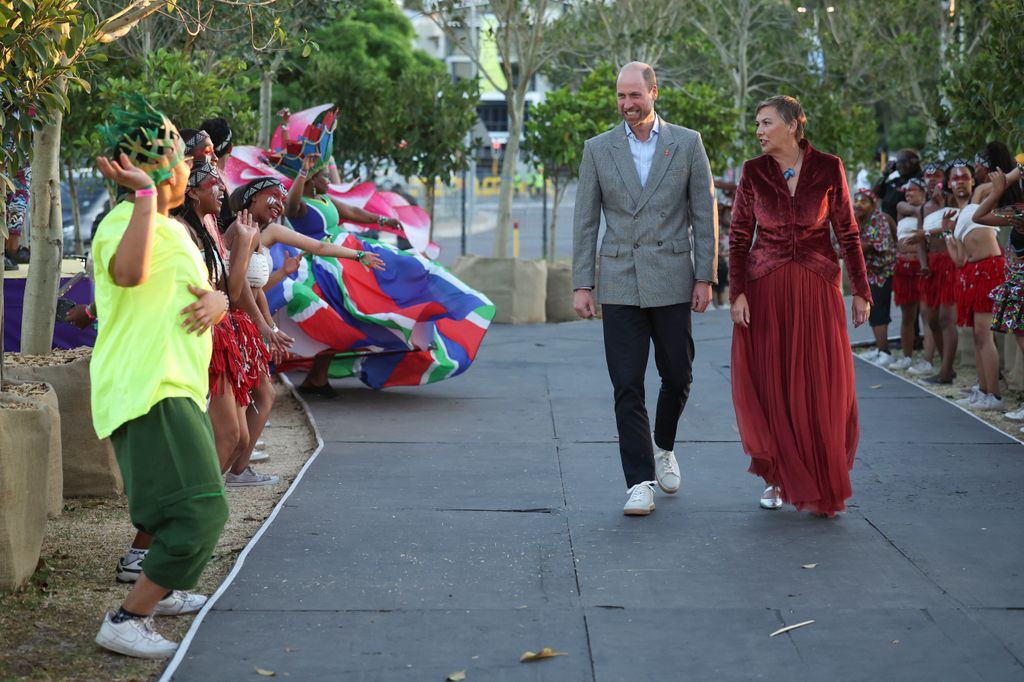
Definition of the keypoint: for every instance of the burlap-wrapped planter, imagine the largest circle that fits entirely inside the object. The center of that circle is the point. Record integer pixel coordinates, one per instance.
(518, 288)
(25, 426)
(559, 295)
(90, 469)
(54, 469)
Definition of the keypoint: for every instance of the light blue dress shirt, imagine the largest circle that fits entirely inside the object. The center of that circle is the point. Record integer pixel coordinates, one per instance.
(643, 152)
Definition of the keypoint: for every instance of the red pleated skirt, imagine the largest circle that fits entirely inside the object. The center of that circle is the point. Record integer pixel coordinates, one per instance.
(940, 288)
(906, 281)
(793, 388)
(977, 280)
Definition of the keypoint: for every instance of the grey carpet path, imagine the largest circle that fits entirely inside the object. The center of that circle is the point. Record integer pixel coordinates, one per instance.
(454, 526)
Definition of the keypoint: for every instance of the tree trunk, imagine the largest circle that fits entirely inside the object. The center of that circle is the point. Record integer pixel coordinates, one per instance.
(560, 185)
(47, 242)
(267, 99)
(76, 214)
(503, 229)
(430, 187)
(3, 234)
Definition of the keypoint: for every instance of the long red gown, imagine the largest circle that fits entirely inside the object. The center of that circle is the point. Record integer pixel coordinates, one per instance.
(792, 368)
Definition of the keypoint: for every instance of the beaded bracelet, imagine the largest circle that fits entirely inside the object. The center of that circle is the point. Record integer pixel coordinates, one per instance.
(381, 220)
(360, 255)
(90, 313)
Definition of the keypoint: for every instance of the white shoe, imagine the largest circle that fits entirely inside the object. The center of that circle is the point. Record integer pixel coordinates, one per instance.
(641, 499)
(970, 391)
(921, 367)
(259, 456)
(870, 355)
(883, 359)
(771, 498)
(134, 637)
(1016, 415)
(969, 401)
(129, 567)
(666, 470)
(987, 401)
(249, 478)
(901, 364)
(178, 603)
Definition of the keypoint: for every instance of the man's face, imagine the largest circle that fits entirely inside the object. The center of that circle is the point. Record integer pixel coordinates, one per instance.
(961, 182)
(636, 102)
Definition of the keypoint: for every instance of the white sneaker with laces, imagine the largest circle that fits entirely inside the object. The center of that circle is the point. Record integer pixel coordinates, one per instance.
(987, 401)
(134, 637)
(883, 359)
(901, 364)
(970, 391)
(870, 355)
(666, 470)
(249, 478)
(921, 367)
(1016, 415)
(641, 499)
(179, 602)
(969, 401)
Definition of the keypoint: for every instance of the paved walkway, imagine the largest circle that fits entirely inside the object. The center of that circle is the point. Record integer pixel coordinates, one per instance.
(455, 526)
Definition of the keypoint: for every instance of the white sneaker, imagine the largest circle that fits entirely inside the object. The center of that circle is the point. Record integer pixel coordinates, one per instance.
(901, 364)
(641, 499)
(1016, 415)
(179, 602)
(249, 478)
(987, 401)
(883, 359)
(970, 391)
(771, 498)
(134, 637)
(259, 456)
(921, 367)
(870, 355)
(129, 567)
(969, 401)
(666, 470)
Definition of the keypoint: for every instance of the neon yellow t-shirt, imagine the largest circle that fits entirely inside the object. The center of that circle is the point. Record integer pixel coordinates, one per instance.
(142, 353)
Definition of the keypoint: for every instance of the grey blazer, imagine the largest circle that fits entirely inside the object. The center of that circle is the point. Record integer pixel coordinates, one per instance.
(646, 251)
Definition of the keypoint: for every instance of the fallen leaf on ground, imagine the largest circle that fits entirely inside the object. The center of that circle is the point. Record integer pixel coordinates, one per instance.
(790, 627)
(546, 652)
(456, 677)
(265, 673)
(809, 566)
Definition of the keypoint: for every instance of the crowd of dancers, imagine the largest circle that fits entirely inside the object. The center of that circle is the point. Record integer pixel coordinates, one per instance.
(930, 235)
(197, 267)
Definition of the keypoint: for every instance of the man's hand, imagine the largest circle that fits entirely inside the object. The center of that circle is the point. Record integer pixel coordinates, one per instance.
(207, 311)
(583, 303)
(79, 317)
(861, 311)
(740, 311)
(701, 297)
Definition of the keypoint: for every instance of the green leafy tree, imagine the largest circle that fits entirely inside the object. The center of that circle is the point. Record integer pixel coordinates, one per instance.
(707, 110)
(434, 116)
(560, 125)
(850, 131)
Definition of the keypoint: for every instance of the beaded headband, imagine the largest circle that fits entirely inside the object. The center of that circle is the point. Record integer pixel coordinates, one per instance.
(201, 174)
(865, 192)
(958, 163)
(196, 140)
(916, 182)
(258, 186)
(222, 147)
(982, 159)
(932, 168)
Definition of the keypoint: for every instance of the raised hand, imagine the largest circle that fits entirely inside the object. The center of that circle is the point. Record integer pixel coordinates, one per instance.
(123, 172)
(948, 221)
(291, 263)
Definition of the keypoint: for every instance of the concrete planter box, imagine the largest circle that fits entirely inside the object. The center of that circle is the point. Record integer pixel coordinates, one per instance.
(559, 295)
(90, 469)
(25, 455)
(518, 288)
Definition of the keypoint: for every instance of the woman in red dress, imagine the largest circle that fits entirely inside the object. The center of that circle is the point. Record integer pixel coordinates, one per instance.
(792, 367)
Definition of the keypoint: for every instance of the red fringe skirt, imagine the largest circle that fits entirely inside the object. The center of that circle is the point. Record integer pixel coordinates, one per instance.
(257, 355)
(227, 364)
(793, 388)
(906, 281)
(940, 289)
(977, 280)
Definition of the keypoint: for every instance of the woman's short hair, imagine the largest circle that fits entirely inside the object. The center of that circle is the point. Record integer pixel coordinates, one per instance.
(789, 109)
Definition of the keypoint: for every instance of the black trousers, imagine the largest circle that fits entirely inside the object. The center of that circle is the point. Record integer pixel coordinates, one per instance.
(628, 332)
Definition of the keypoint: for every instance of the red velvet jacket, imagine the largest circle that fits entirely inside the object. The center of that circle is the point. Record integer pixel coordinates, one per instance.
(794, 228)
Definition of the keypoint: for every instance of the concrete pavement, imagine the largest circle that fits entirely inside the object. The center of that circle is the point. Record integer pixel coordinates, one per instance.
(454, 526)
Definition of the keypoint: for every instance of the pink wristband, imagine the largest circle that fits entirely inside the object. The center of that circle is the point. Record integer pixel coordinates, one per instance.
(146, 192)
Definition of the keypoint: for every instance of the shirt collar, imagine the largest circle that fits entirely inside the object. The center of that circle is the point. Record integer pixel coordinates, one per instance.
(654, 131)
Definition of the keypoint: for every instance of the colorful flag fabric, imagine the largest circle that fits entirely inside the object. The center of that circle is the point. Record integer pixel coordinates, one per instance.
(410, 324)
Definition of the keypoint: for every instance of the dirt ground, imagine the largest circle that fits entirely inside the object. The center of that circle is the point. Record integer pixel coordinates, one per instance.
(47, 627)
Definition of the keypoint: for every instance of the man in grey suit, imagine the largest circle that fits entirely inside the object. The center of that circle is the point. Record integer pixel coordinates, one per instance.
(653, 182)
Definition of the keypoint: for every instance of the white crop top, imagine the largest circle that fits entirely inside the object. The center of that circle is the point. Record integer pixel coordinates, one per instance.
(906, 227)
(965, 222)
(260, 266)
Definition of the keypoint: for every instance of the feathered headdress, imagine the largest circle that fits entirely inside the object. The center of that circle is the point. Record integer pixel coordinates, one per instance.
(146, 136)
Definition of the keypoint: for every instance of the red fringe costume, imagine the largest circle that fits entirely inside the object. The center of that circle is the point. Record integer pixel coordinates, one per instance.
(906, 280)
(792, 369)
(977, 280)
(940, 288)
(227, 364)
(257, 355)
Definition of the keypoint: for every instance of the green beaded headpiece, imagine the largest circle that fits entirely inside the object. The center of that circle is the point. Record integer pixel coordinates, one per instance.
(145, 135)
